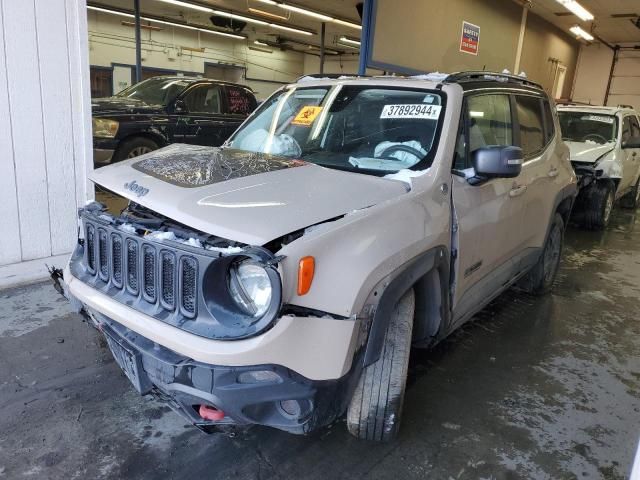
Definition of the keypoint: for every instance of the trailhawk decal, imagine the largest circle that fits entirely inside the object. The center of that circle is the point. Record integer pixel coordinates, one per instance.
(197, 166)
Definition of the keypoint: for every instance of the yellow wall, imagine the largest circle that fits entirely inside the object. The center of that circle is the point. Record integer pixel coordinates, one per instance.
(425, 35)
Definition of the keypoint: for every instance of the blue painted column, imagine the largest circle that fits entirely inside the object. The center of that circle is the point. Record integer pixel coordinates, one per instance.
(366, 39)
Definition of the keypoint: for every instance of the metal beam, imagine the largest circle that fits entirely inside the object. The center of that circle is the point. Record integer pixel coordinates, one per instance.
(136, 7)
(616, 49)
(322, 34)
(365, 38)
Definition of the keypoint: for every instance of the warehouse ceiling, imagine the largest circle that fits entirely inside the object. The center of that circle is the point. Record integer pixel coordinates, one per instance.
(614, 20)
(265, 11)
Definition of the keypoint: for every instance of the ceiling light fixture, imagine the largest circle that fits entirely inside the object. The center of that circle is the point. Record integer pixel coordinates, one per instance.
(222, 13)
(579, 32)
(349, 41)
(165, 22)
(263, 13)
(305, 11)
(188, 5)
(577, 9)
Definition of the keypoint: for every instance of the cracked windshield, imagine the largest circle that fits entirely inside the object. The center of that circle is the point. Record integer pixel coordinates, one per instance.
(374, 130)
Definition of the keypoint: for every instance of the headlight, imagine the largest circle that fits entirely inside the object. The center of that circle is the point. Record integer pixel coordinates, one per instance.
(104, 128)
(250, 287)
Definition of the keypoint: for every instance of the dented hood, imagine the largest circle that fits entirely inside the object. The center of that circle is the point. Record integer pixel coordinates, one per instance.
(243, 196)
(588, 152)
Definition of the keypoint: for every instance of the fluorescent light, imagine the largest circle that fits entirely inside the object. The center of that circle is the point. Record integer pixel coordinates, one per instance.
(260, 22)
(347, 24)
(187, 5)
(348, 46)
(164, 22)
(257, 11)
(258, 42)
(304, 11)
(113, 12)
(579, 32)
(577, 9)
(349, 41)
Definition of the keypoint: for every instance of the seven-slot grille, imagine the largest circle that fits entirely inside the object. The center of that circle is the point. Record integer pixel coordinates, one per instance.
(143, 269)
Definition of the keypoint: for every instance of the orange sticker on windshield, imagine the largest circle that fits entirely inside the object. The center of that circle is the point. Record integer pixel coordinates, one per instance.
(306, 116)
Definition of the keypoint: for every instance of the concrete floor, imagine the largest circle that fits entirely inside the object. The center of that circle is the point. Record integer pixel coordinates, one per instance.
(534, 388)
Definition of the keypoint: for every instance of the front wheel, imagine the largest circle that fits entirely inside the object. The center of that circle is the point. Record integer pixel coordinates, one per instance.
(540, 278)
(134, 147)
(376, 406)
(598, 205)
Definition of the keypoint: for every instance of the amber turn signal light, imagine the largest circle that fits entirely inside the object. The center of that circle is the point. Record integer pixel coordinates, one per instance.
(306, 268)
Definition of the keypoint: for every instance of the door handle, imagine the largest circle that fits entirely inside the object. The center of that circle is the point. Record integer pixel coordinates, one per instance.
(553, 172)
(517, 190)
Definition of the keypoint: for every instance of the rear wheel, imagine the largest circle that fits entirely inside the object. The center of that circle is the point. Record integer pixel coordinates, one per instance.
(376, 406)
(540, 278)
(598, 205)
(632, 199)
(134, 147)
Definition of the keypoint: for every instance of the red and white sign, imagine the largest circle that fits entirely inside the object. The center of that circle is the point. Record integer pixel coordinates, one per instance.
(470, 38)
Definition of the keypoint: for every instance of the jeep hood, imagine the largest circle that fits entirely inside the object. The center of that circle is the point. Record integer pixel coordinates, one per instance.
(588, 152)
(242, 196)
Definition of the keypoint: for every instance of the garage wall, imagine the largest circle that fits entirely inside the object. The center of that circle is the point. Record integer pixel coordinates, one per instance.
(594, 65)
(625, 83)
(111, 42)
(46, 142)
(430, 39)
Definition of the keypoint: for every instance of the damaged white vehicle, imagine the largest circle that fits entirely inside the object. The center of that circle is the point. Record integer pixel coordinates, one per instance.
(605, 153)
(281, 279)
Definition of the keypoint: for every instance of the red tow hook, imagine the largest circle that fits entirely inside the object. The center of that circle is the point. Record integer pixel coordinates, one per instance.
(210, 413)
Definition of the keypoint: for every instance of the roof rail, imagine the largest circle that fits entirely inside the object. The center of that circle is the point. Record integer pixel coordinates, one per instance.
(483, 75)
(332, 76)
(622, 105)
(573, 102)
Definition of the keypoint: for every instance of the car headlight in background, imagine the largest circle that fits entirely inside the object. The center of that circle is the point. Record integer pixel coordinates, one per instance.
(104, 128)
(250, 287)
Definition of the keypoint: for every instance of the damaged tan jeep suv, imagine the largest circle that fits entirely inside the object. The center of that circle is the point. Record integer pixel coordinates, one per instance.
(281, 279)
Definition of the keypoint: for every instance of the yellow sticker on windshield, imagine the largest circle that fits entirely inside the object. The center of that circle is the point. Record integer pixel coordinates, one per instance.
(306, 116)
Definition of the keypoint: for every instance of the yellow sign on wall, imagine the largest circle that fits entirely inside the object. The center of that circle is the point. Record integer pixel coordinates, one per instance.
(306, 116)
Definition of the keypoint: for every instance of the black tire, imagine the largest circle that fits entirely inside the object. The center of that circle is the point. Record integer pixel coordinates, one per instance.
(376, 406)
(540, 278)
(134, 147)
(597, 205)
(632, 199)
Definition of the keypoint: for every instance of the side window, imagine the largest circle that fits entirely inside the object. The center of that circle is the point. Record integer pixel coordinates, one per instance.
(550, 127)
(240, 101)
(489, 121)
(532, 139)
(203, 99)
(635, 127)
(626, 129)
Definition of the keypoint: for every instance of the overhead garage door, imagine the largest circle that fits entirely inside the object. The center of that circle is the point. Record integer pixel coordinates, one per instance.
(625, 84)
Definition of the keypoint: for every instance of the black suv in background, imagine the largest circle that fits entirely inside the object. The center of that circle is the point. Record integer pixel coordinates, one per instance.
(164, 110)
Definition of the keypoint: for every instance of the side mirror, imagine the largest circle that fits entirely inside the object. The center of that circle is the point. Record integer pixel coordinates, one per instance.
(179, 106)
(496, 162)
(633, 142)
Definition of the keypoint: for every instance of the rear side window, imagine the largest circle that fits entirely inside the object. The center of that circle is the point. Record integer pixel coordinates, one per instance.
(550, 127)
(240, 101)
(532, 136)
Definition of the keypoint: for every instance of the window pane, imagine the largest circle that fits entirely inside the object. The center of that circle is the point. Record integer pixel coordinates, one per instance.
(489, 121)
(548, 117)
(635, 127)
(240, 101)
(204, 99)
(531, 129)
(626, 129)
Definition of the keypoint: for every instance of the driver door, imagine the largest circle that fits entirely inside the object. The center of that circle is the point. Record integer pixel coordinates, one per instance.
(489, 216)
(630, 156)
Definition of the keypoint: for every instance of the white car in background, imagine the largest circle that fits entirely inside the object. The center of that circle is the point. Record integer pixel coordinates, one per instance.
(605, 153)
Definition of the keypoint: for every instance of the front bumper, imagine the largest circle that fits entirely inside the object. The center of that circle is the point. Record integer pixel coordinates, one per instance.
(270, 395)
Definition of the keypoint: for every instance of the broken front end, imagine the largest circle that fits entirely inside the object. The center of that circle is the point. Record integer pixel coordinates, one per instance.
(199, 322)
